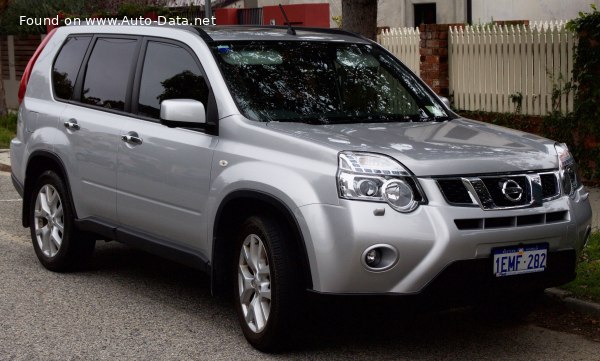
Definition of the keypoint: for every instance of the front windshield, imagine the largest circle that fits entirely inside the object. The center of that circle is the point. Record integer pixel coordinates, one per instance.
(322, 83)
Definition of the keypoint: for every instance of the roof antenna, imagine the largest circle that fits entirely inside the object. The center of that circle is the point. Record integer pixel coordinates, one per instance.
(290, 30)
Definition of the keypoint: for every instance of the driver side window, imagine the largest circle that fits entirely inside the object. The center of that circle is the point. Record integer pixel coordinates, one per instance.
(169, 72)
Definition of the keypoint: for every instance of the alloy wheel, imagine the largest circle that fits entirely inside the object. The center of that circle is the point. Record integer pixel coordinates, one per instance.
(49, 220)
(254, 283)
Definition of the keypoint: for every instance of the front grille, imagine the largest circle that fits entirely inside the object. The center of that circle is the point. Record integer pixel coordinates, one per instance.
(494, 187)
(510, 222)
(454, 190)
(549, 185)
(502, 191)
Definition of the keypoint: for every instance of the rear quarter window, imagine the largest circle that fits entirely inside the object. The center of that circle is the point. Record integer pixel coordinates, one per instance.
(67, 64)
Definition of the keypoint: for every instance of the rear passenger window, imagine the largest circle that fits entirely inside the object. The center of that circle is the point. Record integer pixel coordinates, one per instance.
(107, 74)
(169, 72)
(67, 64)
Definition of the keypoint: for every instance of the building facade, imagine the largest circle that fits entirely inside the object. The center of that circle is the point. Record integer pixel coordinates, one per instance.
(410, 13)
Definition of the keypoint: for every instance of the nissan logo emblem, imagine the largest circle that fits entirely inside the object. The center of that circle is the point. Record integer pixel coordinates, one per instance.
(511, 190)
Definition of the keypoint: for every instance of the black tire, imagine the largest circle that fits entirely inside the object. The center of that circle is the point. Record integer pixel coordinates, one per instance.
(75, 247)
(284, 280)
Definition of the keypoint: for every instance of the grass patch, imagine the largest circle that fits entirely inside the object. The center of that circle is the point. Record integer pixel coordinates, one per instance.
(587, 284)
(8, 129)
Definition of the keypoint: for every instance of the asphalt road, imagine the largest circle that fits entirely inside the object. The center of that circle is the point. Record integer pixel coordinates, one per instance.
(133, 306)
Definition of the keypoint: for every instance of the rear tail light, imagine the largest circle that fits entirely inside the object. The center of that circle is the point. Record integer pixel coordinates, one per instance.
(31, 63)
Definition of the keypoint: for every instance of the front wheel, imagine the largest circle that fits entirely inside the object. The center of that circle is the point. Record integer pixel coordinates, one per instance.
(58, 245)
(267, 288)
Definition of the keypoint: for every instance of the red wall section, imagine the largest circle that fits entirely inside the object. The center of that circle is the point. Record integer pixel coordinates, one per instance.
(226, 16)
(314, 15)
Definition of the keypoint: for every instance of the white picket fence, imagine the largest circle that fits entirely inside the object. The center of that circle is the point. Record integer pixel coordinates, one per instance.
(494, 68)
(404, 44)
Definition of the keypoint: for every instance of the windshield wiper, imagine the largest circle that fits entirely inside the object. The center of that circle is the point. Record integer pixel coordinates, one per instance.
(314, 121)
(435, 118)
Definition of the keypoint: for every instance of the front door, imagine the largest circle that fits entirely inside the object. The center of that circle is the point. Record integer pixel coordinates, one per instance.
(164, 173)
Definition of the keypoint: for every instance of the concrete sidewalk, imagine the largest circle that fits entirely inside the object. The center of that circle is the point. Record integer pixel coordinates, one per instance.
(4, 160)
(5, 157)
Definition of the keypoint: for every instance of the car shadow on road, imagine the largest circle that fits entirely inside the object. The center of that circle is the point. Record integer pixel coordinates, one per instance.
(329, 324)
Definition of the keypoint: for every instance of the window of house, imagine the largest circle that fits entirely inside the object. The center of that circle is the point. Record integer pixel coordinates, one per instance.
(425, 14)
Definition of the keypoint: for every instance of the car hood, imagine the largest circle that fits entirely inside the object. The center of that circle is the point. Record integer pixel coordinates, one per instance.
(459, 146)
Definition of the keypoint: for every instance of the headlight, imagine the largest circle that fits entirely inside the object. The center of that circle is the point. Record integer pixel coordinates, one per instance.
(377, 178)
(568, 169)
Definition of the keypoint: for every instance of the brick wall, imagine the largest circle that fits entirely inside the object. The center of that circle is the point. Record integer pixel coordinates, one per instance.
(434, 56)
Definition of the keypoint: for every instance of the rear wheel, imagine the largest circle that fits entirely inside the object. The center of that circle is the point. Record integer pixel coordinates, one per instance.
(267, 290)
(58, 245)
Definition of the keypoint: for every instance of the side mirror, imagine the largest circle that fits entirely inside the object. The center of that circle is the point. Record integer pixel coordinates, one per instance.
(182, 113)
(446, 101)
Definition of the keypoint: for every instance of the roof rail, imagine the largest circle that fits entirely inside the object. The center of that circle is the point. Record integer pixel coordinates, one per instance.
(207, 37)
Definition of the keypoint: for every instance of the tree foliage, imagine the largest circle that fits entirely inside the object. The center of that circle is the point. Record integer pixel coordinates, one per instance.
(584, 122)
(40, 9)
(9, 22)
(586, 67)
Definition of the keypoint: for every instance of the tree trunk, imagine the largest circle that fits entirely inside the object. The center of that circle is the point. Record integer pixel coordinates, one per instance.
(3, 110)
(360, 16)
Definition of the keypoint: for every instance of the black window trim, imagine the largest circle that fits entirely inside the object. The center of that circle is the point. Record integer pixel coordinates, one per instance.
(212, 116)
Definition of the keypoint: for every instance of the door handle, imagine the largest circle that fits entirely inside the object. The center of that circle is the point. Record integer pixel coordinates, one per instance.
(132, 138)
(71, 124)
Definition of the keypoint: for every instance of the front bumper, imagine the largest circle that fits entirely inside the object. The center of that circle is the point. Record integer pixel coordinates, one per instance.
(467, 282)
(430, 245)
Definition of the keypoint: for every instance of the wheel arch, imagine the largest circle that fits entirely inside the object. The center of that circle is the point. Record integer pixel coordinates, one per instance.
(38, 162)
(236, 207)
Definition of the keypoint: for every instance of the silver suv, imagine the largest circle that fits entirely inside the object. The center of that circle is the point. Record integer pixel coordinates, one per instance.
(285, 164)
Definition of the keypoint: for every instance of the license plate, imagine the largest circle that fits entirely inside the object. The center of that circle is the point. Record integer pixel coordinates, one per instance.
(519, 260)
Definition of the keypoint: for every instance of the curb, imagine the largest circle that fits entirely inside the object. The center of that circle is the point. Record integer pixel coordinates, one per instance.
(572, 303)
(4, 167)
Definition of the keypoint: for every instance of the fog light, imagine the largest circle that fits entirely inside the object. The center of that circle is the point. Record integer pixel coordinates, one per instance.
(379, 257)
(373, 257)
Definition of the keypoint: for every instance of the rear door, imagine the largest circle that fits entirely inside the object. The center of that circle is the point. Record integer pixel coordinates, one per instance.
(93, 118)
(164, 173)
